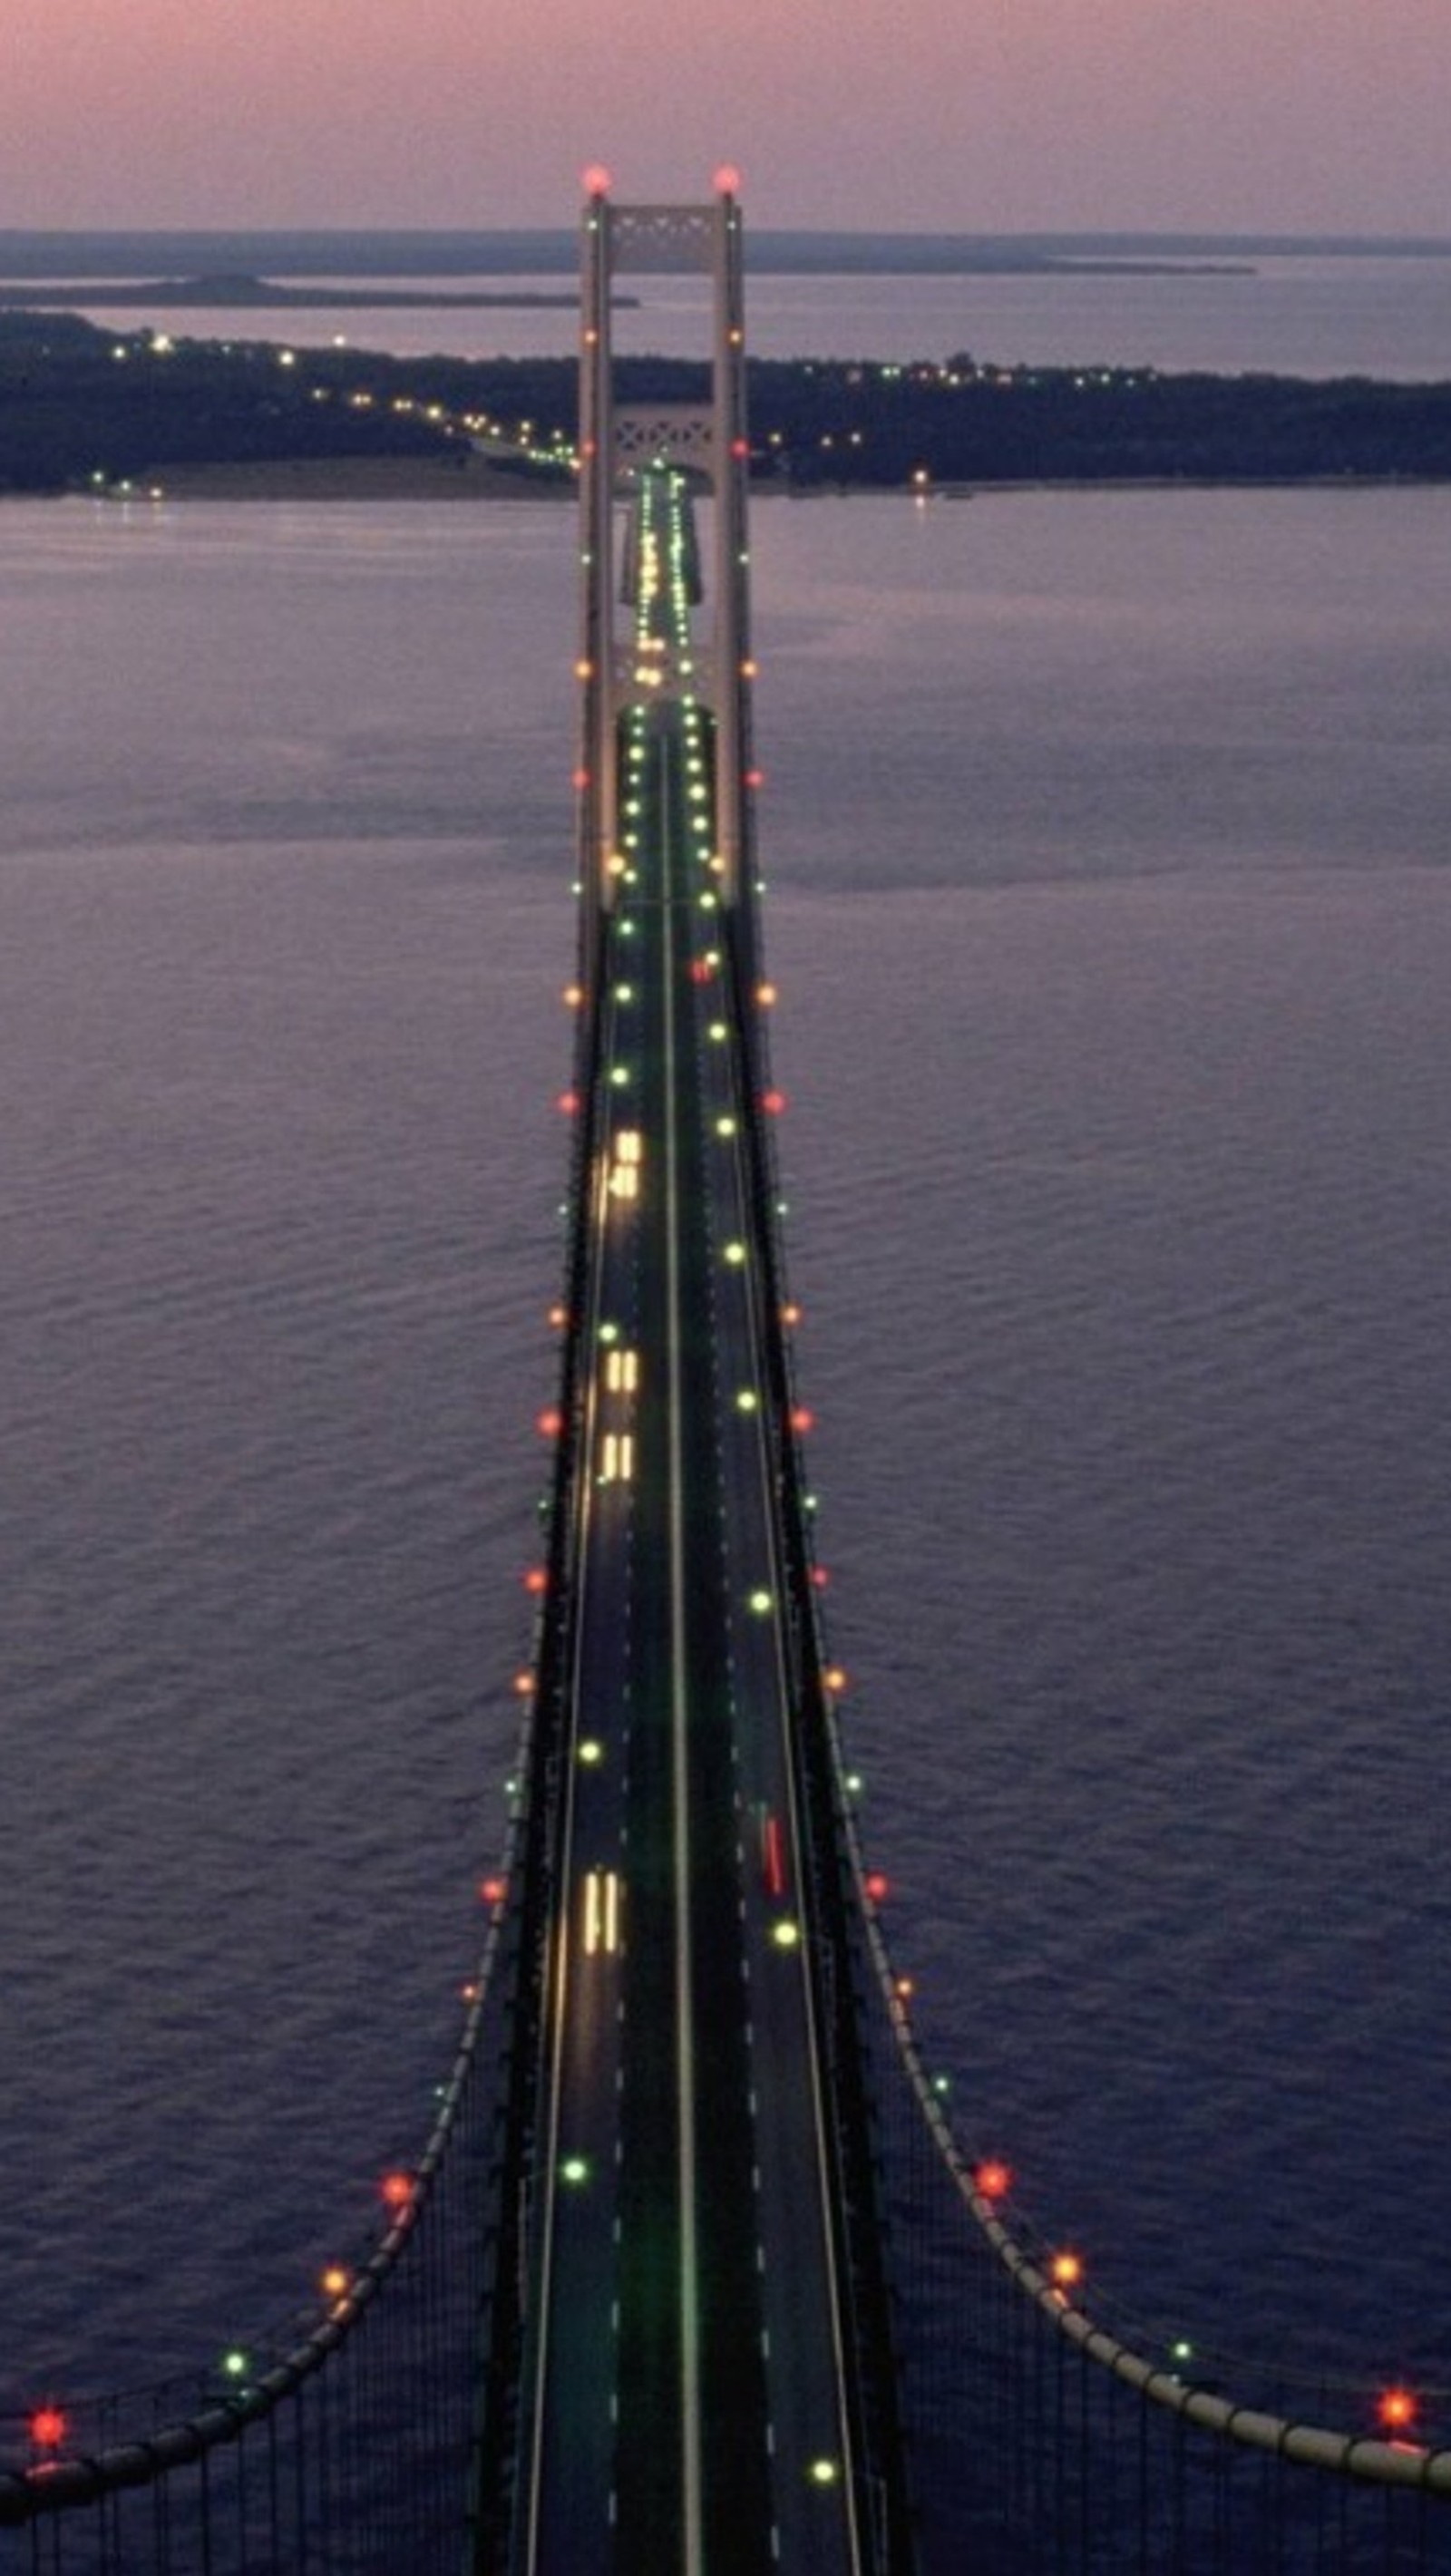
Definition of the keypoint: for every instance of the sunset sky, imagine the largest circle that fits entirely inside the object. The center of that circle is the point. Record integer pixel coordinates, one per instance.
(984, 115)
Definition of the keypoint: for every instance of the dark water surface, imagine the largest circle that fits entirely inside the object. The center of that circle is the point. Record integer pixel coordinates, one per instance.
(1107, 842)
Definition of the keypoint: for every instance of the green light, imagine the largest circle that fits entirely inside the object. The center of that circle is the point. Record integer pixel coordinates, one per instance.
(824, 2473)
(786, 1935)
(761, 1603)
(234, 2364)
(747, 1400)
(575, 2169)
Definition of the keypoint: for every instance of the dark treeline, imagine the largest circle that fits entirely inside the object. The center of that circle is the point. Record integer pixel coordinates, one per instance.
(81, 405)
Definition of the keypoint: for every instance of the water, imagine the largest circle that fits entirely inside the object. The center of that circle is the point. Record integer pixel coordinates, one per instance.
(1107, 843)
(1310, 315)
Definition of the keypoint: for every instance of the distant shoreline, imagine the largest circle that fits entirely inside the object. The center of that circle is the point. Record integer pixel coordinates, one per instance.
(320, 254)
(83, 407)
(262, 295)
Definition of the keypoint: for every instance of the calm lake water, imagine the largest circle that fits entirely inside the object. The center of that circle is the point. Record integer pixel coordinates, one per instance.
(1107, 843)
(1311, 315)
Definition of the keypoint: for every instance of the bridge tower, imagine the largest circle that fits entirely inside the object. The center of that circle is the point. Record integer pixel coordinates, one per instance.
(707, 440)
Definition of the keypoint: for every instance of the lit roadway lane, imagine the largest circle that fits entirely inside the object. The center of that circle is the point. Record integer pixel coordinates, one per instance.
(683, 2399)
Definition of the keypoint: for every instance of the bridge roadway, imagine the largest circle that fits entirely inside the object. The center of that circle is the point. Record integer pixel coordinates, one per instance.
(685, 2401)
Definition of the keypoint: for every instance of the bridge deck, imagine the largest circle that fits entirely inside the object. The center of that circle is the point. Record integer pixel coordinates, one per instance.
(685, 2338)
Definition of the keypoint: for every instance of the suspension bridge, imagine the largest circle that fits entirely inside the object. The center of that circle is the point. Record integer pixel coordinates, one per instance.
(694, 2273)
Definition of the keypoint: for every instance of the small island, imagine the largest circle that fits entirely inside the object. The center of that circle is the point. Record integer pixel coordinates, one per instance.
(229, 289)
(83, 408)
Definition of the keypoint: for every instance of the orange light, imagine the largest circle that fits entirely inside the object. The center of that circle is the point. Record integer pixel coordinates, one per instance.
(791, 1314)
(336, 2281)
(584, 670)
(1066, 2271)
(834, 1677)
(574, 995)
(1396, 2408)
(48, 2428)
(765, 995)
(993, 2179)
(559, 1317)
(749, 670)
(396, 2190)
(523, 1685)
(906, 1987)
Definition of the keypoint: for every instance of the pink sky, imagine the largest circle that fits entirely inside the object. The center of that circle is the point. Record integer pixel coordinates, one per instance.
(984, 115)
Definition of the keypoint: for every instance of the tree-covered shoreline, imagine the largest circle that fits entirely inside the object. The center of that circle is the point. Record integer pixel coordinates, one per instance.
(86, 408)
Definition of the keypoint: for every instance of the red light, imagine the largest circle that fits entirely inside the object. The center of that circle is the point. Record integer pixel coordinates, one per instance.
(568, 1104)
(1396, 2408)
(492, 1890)
(993, 2179)
(551, 1422)
(536, 1580)
(396, 2190)
(802, 1418)
(48, 2428)
(581, 778)
(700, 970)
(755, 778)
(740, 447)
(878, 1886)
(820, 1577)
(727, 180)
(596, 180)
(773, 1102)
